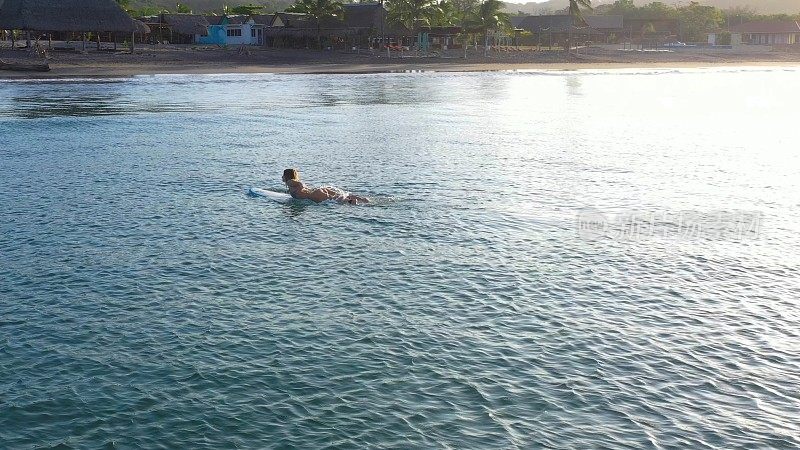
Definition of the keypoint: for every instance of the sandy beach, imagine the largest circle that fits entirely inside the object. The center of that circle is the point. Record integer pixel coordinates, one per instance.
(193, 60)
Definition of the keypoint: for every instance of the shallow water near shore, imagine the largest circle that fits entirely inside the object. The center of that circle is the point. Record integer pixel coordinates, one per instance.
(568, 260)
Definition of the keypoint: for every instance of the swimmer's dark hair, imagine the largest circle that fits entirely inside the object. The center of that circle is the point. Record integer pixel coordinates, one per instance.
(290, 174)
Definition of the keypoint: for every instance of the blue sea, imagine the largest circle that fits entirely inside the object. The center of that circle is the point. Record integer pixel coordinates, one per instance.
(580, 259)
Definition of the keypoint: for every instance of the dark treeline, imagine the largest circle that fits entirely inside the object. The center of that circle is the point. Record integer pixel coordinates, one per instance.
(695, 18)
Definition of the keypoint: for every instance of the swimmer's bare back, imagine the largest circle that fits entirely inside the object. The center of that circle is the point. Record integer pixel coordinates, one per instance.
(298, 189)
(319, 195)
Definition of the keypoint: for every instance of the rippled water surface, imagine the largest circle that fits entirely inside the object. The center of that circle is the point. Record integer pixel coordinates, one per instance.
(147, 300)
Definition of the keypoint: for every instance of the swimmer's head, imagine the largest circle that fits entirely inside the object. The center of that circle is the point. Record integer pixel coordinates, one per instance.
(290, 174)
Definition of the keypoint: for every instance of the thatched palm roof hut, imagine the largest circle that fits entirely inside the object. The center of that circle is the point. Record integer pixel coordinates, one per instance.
(67, 15)
(186, 23)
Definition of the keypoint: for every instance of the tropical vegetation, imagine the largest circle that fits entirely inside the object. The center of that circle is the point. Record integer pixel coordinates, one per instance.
(574, 9)
(695, 18)
(473, 16)
(318, 11)
(480, 17)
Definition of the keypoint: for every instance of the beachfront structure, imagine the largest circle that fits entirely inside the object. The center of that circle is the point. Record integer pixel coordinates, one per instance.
(287, 29)
(184, 28)
(766, 32)
(262, 20)
(38, 17)
(175, 28)
(367, 23)
(290, 20)
(439, 38)
(608, 27)
(231, 30)
(651, 31)
(556, 29)
(361, 24)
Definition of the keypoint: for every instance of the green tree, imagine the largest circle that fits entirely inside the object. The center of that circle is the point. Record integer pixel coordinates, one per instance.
(318, 10)
(698, 20)
(245, 10)
(412, 14)
(182, 9)
(444, 14)
(489, 16)
(622, 8)
(575, 13)
(147, 11)
(740, 14)
(465, 18)
(656, 10)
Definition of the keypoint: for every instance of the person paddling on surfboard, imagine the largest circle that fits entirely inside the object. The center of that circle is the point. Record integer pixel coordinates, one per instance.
(297, 189)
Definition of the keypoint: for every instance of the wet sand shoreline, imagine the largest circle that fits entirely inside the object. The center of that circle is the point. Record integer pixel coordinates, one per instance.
(228, 61)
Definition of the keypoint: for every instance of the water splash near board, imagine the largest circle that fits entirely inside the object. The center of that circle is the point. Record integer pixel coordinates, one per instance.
(280, 197)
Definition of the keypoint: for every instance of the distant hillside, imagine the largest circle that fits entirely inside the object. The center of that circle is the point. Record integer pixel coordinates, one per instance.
(761, 6)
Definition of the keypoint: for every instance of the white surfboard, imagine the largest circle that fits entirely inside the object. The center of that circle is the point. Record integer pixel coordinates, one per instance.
(280, 197)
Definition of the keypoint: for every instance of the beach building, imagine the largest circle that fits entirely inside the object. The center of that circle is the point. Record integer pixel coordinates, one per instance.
(368, 24)
(185, 28)
(766, 32)
(361, 24)
(557, 29)
(263, 20)
(231, 30)
(290, 20)
(439, 38)
(215, 34)
(175, 28)
(104, 18)
(287, 29)
(651, 32)
(608, 27)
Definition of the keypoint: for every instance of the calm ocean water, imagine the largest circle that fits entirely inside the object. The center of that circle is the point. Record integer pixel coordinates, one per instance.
(566, 260)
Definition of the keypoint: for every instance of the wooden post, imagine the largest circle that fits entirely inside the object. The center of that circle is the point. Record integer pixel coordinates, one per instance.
(50, 41)
(114, 38)
(98, 41)
(84, 42)
(569, 41)
(28, 38)
(133, 41)
(13, 40)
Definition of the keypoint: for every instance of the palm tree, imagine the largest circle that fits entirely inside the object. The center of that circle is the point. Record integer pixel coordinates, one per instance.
(412, 13)
(318, 10)
(443, 14)
(490, 16)
(574, 11)
(465, 17)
